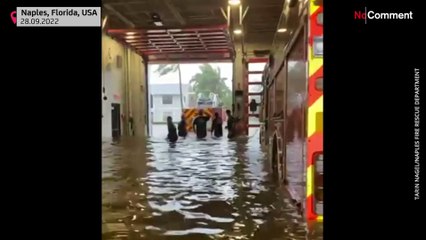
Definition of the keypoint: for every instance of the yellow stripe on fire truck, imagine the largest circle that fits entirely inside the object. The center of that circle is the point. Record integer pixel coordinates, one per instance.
(315, 110)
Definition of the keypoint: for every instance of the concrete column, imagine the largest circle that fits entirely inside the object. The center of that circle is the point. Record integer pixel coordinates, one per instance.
(238, 68)
(125, 92)
(135, 104)
(137, 94)
(238, 79)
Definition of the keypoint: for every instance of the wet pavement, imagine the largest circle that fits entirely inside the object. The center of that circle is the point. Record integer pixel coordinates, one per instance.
(212, 189)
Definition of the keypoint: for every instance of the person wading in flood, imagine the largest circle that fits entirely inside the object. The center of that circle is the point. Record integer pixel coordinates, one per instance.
(131, 125)
(200, 125)
(172, 136)
(182, 127)
(230, 125)
(217, 126)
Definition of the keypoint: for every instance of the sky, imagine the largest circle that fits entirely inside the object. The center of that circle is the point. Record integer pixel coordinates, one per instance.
(188, 70)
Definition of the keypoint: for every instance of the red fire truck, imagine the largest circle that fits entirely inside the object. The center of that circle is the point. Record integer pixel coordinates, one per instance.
(292, 112)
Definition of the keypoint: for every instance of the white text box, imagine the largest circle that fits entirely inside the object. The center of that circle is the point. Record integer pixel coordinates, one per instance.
(58, 16)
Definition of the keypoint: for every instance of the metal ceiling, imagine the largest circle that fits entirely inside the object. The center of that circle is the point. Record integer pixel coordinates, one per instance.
(174, 13)
(260, 24)
(182, 18)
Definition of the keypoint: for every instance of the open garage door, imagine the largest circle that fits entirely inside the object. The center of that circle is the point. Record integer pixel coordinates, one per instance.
(178, 45)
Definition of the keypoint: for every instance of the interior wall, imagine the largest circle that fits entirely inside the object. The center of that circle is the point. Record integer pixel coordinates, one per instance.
(123, 79)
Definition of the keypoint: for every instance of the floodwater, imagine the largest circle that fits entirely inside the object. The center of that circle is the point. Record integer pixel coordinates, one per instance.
(212, 189)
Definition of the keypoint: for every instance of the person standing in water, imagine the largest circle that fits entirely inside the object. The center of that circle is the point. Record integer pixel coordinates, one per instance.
(172, 136)
(200, 125)
(182, 127)
(230, 125)
(217, 126)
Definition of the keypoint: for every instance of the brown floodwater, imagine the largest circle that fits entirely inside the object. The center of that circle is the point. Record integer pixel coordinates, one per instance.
(212, 189)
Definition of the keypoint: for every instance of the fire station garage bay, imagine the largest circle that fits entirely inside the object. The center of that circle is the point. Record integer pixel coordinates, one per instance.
(247, 76)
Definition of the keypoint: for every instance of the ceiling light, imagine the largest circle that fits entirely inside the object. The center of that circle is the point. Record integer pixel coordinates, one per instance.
(130, 37)
(158, 23)
(238, 31)
(156, 19)
(281, 30)
(131, 33)
(234, 2)
(155, 16)
(104, 22)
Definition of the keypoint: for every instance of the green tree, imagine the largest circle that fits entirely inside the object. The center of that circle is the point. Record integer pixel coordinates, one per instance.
(164, 69)
(208, 81)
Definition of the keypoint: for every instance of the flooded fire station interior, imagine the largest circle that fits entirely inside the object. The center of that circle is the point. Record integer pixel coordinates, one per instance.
(265, 183)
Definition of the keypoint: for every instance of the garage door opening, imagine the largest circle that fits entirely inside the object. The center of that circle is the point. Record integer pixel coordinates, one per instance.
(174, 87)
(201, 57)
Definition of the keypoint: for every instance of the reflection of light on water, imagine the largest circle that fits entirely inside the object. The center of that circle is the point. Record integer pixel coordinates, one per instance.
(199, 215)
(169, 206)
(208, 231)
(216, 188)
(152, 228)
(227, 191)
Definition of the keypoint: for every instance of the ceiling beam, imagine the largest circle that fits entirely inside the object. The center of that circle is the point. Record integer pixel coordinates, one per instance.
(119, 15)
(175, 12)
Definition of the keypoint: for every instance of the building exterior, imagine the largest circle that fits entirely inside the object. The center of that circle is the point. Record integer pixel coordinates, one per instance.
(165, 101)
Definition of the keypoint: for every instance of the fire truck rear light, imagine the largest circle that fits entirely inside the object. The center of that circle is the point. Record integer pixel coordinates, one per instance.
(319, 166)
(319, 163)
(318, 46)
(320, 157)
(319, 208)
(319, 84)
(319, 19)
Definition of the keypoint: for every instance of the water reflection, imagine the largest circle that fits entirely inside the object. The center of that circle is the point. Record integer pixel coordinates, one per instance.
(214, 189)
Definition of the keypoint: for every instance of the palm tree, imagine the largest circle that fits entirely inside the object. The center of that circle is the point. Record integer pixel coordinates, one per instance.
(164, 69)
(210, 80)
